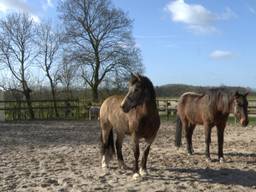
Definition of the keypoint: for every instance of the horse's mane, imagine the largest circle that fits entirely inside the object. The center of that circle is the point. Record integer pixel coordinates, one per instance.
(220, 97)
(148, 84)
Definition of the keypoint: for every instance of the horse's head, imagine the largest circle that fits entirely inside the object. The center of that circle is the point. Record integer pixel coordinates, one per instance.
(241, 108)
(135, 95)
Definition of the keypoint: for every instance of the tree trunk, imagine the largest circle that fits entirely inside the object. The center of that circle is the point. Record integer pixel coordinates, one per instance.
(54, 103)
(95, 94)
(29, 103)
(26, 92)
(53, 97)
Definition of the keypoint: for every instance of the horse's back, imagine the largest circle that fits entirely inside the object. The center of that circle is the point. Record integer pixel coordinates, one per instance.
(111, 113)
(189, 106)
(189, 98)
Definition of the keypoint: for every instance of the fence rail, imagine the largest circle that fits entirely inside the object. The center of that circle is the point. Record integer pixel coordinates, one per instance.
(43, 109)
(79, 109)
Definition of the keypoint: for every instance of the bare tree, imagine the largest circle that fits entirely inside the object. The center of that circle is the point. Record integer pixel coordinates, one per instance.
(17, 50)
(67, 73)
(100, 40)
(48, 42)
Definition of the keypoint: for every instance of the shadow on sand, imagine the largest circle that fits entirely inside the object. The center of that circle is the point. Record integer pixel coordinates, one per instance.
(222, 176)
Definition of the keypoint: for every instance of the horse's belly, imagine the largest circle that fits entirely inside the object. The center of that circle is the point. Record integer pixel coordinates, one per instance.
(120, 124)
(195, 118)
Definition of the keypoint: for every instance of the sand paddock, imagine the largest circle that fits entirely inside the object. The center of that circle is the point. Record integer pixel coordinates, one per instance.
(64, 156)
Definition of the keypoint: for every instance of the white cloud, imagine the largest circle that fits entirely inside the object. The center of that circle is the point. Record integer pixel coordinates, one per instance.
(3, 8)
(195, 16)
(18, 5)
(50, 3)
(221, 55)
(47, 4)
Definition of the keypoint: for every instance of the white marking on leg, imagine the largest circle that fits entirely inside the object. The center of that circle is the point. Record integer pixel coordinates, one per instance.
(103, 162)
(136, 176)
(222, 160)
(143, 172)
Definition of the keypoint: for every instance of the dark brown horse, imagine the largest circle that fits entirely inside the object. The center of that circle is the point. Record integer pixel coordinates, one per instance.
(136, 115)
(209, 109)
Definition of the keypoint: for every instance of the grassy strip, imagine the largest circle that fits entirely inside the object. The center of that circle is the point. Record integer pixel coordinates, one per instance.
(231, 120)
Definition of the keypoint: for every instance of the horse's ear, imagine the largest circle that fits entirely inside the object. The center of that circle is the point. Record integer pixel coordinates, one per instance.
(236, 95)
(137, 75)
(246, 94)
(133, 78)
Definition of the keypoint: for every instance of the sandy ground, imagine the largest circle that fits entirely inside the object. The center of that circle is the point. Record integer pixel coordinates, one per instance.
(64, 156)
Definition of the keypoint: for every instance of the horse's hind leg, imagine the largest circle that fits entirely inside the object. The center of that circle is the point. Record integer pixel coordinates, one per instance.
(189, 133)
(107, 143)
(119, 142)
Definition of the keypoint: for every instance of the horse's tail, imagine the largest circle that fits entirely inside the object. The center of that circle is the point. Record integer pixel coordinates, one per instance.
(178, 132)
(107, 145)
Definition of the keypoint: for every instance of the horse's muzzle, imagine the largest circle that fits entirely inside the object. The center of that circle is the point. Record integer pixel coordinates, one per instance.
(244, 122)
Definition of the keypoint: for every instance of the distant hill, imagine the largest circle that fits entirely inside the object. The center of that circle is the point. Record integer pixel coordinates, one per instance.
(175, 90)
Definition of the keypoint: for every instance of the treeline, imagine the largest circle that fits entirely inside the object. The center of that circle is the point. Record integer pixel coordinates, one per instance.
(170, 90)
(62, 94)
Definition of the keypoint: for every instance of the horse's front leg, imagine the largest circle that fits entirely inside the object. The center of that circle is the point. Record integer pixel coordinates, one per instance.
(207, 131)
(119, 142)
(143, 167)
(136, 152)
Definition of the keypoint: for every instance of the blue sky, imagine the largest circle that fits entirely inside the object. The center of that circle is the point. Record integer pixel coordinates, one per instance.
(203, 42)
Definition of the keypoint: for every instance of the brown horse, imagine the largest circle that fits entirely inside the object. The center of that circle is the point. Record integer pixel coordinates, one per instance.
(209, 109)
(136, 115)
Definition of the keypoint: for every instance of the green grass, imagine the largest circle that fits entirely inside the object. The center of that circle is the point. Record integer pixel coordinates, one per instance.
(231, 120)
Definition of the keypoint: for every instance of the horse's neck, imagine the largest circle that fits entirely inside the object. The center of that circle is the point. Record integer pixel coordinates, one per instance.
(231, 107)
(227, 107)
(149, 107)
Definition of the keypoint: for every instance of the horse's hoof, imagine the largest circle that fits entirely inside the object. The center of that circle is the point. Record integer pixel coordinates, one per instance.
(208, 159)
(123, 166)
(143, 172)
(136, 176)
(222, 160)
(104, 166)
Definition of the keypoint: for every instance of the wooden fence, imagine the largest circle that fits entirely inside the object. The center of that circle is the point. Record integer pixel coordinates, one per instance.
(78, 109)
(43, 109)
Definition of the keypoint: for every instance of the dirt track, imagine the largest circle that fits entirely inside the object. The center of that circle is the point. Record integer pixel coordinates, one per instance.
(64, 156)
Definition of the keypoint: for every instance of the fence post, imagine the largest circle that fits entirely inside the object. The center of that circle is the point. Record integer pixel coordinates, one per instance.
(2, 111)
